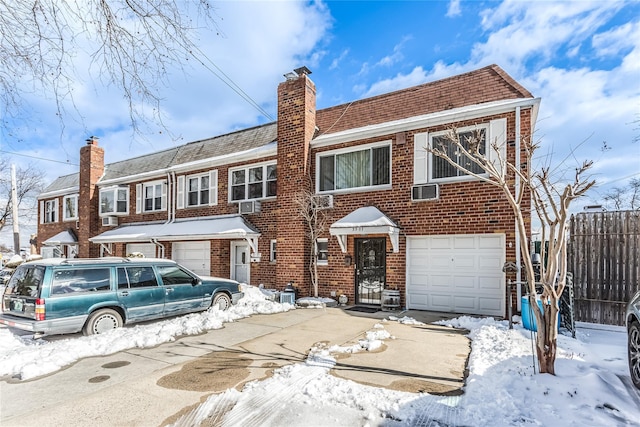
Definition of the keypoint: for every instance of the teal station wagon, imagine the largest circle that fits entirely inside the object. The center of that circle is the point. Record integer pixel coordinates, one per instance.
(58, 296)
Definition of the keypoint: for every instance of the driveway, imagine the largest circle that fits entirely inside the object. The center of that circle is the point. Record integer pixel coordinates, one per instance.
(151, 387)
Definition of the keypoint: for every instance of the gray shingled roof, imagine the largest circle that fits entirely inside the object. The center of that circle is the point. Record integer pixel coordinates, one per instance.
(222, 145)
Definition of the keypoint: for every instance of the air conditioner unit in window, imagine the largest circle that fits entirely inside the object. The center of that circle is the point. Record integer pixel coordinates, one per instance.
(425, 192)
(249, 207)
(109, 221)
(323, 201)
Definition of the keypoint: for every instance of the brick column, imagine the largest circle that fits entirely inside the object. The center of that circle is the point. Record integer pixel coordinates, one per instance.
(91, 169)
(296, 127)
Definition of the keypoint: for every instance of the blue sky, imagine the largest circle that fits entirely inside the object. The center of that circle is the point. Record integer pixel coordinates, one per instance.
(582, 58)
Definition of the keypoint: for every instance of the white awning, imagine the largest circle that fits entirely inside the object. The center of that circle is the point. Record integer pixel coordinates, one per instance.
(207, 228)
(366, 220)
(63, 238)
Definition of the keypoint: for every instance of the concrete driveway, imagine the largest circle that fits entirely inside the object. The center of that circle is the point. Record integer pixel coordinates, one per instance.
(152, 387)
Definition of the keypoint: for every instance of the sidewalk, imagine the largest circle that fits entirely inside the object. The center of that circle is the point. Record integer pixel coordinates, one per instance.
(150, 387)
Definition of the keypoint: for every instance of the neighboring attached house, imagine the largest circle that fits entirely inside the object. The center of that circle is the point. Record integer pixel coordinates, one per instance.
(398, 218)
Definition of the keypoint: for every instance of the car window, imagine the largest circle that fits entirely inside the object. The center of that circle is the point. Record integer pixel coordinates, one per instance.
(136, 277)
(174, 275)
(26, 281)
(80, 280)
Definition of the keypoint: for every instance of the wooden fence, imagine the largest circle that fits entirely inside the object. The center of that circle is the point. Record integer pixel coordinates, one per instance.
(603, 254)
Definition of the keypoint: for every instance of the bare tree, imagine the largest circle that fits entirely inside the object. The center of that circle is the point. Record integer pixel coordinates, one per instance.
(29, 183)
(130, 45)
(620, 198)
(315, 216)
(551, 201)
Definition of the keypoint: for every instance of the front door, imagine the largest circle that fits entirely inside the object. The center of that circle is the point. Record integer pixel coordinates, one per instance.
(240, 262)
(370, 270)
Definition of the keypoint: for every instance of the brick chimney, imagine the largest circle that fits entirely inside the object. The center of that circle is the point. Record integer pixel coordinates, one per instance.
(296, 127)
(91, 169)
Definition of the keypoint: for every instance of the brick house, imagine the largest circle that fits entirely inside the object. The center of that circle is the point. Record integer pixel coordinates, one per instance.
(397, 218)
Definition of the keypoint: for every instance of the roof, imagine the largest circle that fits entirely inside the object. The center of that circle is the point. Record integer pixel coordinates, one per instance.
(485, 85)
(63, 238)
(217, 227)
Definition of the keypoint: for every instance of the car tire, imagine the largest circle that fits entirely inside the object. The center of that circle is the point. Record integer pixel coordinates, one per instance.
(221, 301)
(633, 347)
(101, 321)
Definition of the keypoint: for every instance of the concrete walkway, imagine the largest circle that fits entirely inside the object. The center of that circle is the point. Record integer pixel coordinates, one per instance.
(151, 387)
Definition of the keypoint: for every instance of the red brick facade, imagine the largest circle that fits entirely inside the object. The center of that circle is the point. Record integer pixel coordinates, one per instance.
(463, 207)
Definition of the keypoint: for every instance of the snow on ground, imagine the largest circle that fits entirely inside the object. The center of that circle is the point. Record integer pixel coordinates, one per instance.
(502, 388)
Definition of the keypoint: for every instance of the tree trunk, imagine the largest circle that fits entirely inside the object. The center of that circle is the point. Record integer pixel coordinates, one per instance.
(547, 334)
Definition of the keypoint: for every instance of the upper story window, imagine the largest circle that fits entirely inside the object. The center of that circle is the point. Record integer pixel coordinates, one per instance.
(253, 182)
(151, 196)
(70, 208)
(429, 168)
(114, 200)
(441, 168)
(50, 211)
(355, 168)
(198, 190)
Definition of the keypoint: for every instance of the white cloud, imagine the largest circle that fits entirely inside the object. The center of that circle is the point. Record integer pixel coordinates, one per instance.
(336, 61)
(454, 9)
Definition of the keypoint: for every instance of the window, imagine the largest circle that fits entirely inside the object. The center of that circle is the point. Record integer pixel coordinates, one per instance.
(114, 200)
(322, 251)
(51, 211)
(136, 277)
(174, 275)
(442, 169)
(369, 167)
(70, 208)
(198, 190)
(272, 251)
(153, 197)
(80, 280)
(254, 182)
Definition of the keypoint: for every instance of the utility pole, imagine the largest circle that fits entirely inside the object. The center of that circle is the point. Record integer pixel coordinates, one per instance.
(14, 211)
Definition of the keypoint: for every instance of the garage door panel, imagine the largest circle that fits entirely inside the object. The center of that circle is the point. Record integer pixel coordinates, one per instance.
(456, 273)
(464, 242)
(465, 304)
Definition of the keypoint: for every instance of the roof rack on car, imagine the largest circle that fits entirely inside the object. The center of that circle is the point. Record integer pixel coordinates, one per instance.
(78, 261)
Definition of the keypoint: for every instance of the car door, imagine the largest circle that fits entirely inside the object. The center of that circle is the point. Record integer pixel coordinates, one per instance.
(184, 293)
(140, 293)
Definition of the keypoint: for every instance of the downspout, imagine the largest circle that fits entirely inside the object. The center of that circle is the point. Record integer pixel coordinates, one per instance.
(174, 205)
(169, 198)
(517, 232)
(159, 245)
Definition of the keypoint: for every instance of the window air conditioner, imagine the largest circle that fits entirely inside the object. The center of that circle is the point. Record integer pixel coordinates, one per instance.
(323, 201)
(109, 221)
(249, 207)
(425, 192)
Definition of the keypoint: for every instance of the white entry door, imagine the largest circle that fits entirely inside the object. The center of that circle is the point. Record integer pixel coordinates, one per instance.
(196, 256)
(240, 262)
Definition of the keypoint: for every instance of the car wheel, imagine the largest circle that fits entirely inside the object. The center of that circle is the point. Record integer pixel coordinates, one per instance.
(102, 321)
(221, 301)
(634, 353)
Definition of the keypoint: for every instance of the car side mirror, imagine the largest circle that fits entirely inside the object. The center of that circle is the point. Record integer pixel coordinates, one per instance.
(196, 281)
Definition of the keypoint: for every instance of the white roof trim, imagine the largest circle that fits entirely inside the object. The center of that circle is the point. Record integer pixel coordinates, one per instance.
(427, 120)
(57, 193)
(365, 220)
(218, 227)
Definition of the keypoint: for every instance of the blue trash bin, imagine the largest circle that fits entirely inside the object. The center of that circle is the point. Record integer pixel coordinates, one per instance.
(529, 318)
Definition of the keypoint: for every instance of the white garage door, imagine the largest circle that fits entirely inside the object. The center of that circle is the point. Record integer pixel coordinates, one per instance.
(196, 256)
(146, 249)
(457, 273)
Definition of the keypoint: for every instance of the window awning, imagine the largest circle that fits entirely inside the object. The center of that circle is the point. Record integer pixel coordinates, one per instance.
(63, 238)
(366, 220)
(206, 228)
